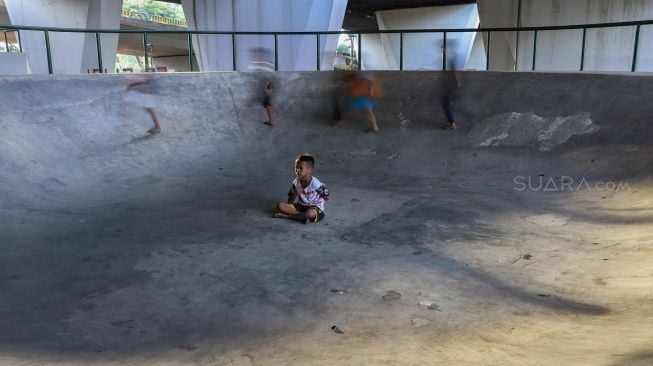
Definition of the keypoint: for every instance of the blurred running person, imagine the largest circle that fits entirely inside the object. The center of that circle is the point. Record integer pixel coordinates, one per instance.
(361, 91)
(138, 93)
(452, 82)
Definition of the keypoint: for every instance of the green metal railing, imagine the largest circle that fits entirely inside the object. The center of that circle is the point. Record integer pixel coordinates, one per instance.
(359, 34)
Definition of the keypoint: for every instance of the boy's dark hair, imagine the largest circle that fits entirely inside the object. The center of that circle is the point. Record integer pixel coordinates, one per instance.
(307, 158)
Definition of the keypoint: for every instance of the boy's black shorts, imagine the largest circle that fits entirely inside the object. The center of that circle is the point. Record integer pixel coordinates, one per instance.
(303, 208)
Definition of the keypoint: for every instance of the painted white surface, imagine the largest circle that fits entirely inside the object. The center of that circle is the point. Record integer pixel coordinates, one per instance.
(13, 63)
(645, 52)
(423, 51)
(606, 49)
(295, 52)
(477, 58)
(374, 53)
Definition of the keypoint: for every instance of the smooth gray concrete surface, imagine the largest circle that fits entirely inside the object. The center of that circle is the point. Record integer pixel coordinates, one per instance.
(124, 248)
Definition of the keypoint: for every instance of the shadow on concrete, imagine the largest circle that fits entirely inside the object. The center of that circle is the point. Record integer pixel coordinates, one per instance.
(416, 221)
(142, 138)
(644, 358)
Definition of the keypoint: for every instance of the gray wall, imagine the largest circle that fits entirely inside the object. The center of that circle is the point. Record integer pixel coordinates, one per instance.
(74, 133)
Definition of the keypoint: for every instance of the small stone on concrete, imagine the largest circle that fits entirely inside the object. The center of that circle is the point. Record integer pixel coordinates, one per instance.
(430, 305)
(335, 329)
(391, 296)
(420, 322)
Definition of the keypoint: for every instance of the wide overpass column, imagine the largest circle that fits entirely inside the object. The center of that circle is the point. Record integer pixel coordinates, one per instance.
(71, 52)
(102, 15)
(605, 49)
(66, 47)
(421, 51)
(500, 14)
(294, 52)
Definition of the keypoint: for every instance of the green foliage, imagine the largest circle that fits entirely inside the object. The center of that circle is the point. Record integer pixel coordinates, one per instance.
(149, 8)
(343, 49)
(12, 47)
(351, 67)
(137, 63)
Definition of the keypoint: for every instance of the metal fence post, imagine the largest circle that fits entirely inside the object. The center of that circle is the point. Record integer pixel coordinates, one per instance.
(276, 52)
(582, 51)
(317, 40)
(190, 52)
(401, 51)
(534, 49)
(48, 51)
(360, 55)
(147, 62)
(487, 53)
(20, 41)
(444, 51)
(634, 67)
(6, 42)
(233, 50)
(516, 65)
(98, 44)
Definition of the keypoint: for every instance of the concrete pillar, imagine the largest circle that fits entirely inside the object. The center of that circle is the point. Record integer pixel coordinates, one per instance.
(102, 15)
(500, 13)
(295, 52)
(608, 49)
(213, 52)
(423, 51)
(66, 47)
(72, 53)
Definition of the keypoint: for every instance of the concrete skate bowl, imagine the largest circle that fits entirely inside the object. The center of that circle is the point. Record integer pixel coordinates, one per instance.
(523, 238)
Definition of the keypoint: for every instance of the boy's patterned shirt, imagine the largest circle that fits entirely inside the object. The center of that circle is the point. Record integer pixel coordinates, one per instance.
(312, 195)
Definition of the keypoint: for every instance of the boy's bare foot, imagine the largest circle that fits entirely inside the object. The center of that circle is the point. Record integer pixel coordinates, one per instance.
(280, 215)
(154, 130)
(370, 130)
(451, 126)
(337, 124)
(268, 123)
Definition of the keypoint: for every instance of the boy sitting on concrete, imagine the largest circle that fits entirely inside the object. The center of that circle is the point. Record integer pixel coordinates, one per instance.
(306, 196)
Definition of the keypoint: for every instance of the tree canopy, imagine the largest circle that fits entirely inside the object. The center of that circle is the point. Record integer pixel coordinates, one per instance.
(149, 8)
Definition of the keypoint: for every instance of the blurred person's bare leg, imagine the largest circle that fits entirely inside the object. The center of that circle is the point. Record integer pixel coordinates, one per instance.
(269, 122)
(369, 113)
(155, 120)
(448, 106)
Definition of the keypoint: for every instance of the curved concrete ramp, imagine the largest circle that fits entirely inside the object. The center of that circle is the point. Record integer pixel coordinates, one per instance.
(520, 239)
